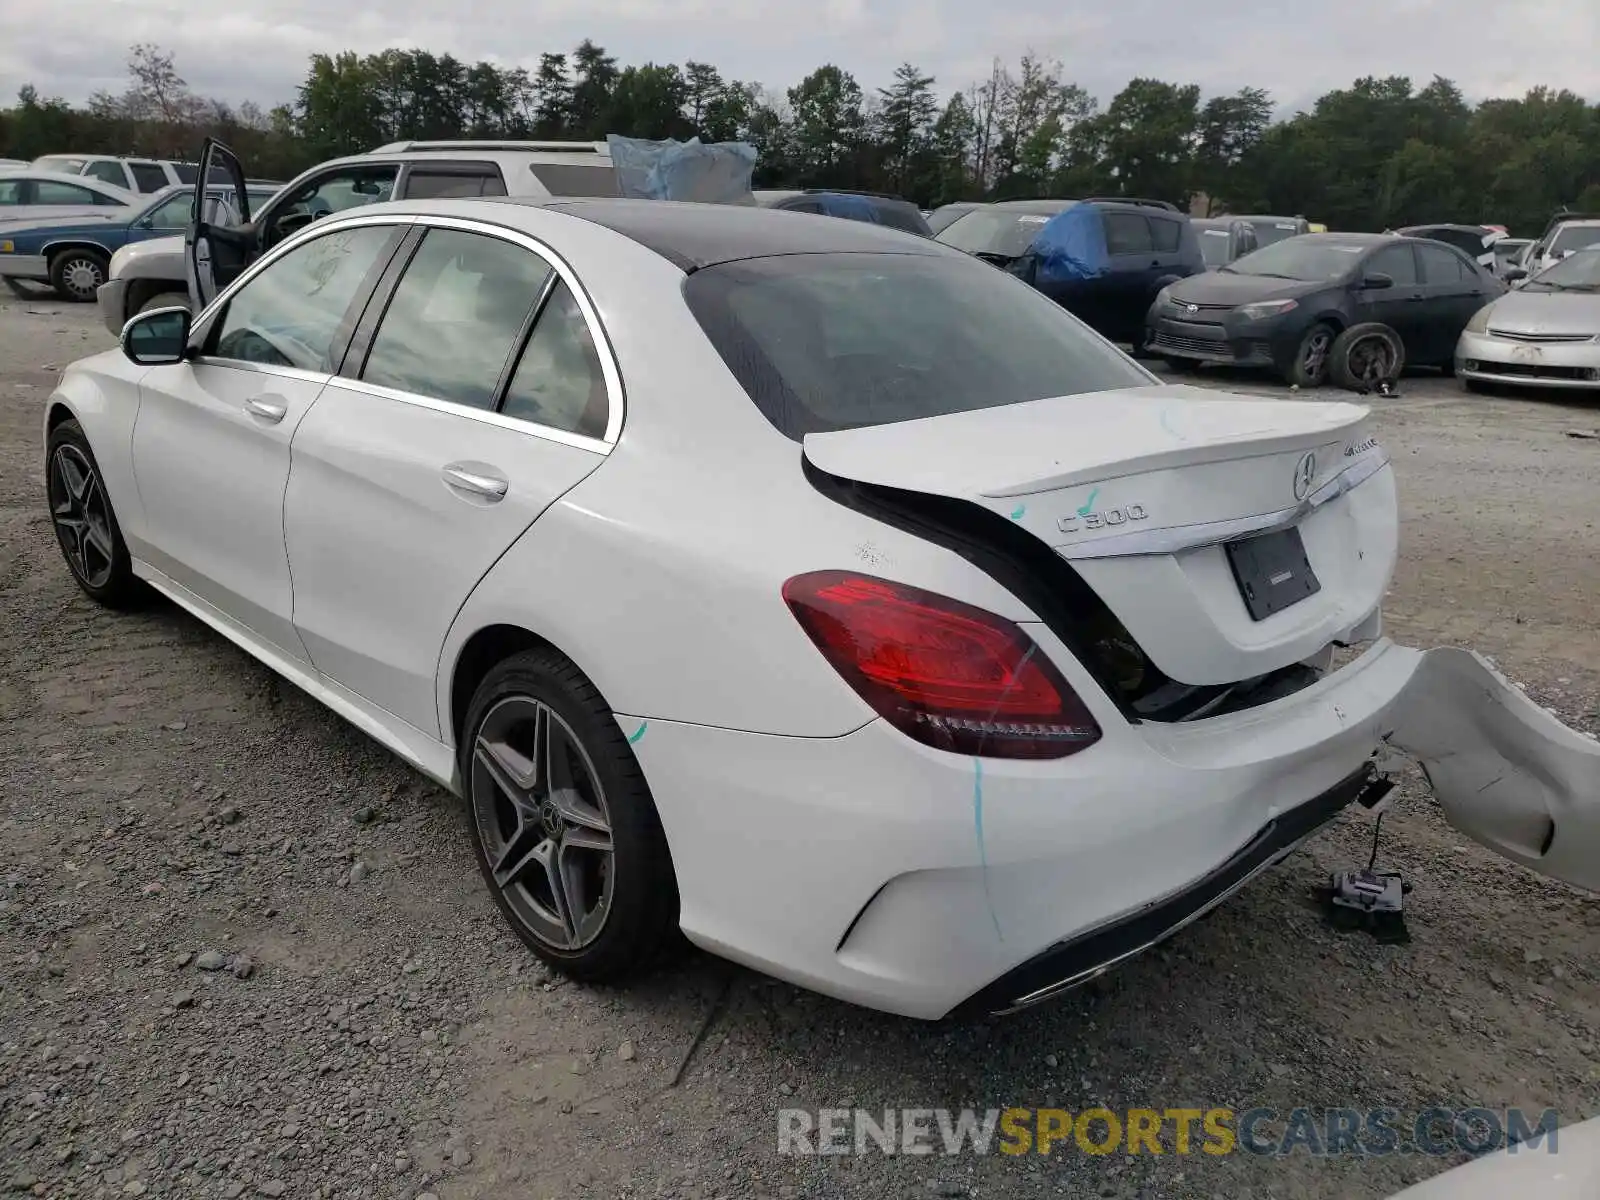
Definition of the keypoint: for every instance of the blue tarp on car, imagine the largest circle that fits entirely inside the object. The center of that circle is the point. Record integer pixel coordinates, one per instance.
(715, 173)
(851, 208)
(1072, 245)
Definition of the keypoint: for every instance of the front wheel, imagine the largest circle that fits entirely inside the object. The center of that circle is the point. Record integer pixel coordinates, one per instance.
(77, 274)
(566, 833)
(1310, 366)
(1367, 355)
(85, 523)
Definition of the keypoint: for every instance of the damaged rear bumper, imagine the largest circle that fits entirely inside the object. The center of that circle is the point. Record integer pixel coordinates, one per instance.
(886, 873)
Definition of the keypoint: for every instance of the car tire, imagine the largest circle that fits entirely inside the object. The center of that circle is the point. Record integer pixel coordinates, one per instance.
(165, 300)
(1366, 355)
(77, 274)
(617, 915)
(85, 522)
(1310, 366)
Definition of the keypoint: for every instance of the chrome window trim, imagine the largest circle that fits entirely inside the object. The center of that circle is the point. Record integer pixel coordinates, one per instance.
(609, 369)
(233, 364)
(499, 420)
(1210, 533)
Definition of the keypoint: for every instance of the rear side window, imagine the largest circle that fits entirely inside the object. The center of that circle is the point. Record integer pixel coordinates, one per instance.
(148, 177)
(571, 179)
(837, 341)
(108, 172)
(558, 381)
(49, 191)
(1441, 266)
(1128, 233)
(1167, 235)
(429, 183)
(454, 319)
(10, 191)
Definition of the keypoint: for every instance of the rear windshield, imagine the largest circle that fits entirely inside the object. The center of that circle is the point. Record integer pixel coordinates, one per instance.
(903, 217)
(1274, 229)
(838, 341)
(995, 231)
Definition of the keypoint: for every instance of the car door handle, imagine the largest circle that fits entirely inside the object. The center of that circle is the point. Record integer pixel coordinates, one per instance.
(269, 410)
(476, 482)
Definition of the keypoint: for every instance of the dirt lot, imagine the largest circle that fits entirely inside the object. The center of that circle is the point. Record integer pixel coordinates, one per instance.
(164, 799)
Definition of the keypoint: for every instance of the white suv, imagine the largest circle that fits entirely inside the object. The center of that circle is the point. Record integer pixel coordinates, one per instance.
(153, 273)
(133, 174)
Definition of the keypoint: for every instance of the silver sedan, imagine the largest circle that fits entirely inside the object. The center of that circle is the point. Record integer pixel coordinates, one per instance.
(1544, 334)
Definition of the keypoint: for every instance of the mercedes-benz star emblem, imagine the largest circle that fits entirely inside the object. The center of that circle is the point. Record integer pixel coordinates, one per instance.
(1305, 471)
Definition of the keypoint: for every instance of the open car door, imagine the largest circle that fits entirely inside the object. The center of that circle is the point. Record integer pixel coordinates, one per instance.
(215, 253)
(1505, 772)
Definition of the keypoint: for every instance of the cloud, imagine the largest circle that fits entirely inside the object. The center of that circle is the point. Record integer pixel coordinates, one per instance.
(257, 51)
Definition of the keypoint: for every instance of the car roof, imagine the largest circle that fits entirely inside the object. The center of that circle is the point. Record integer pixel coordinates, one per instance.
(1352, 239)
(695, 236)
(1034, 206)
(1580, 222)
(85, 181)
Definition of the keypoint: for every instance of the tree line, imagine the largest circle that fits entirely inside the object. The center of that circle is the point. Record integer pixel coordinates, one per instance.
(1378, 154)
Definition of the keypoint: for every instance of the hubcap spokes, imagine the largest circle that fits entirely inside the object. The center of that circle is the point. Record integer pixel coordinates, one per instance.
(542, 815)
(82, 521)
(1316, 354)
(83, 277)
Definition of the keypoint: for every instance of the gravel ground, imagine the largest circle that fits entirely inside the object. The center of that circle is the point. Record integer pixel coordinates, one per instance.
(244, 951)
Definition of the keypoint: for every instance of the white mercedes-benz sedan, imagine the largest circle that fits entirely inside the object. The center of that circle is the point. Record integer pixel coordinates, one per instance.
(808, 587)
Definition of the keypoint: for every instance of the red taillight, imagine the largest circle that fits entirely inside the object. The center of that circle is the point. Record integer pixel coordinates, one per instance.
(943, 672)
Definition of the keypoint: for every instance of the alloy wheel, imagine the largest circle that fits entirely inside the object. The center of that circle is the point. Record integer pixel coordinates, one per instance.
(81, 517)
(541, 814)
(82, 277)
(1314, 358)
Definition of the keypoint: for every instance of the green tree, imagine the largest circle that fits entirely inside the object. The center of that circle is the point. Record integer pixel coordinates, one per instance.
(828, 126)
(904, 126)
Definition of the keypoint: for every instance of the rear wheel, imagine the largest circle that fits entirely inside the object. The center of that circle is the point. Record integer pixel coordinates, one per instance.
(1367, 355)
(77, 274)
(566, 833)
(1310, 366)
(85, 523)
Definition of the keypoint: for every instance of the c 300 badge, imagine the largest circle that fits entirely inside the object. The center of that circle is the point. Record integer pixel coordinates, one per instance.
(1084, 519)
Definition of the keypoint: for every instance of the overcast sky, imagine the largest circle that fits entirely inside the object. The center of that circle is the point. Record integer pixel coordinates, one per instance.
(258, 50)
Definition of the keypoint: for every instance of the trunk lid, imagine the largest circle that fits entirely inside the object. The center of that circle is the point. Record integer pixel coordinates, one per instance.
(1143, 489)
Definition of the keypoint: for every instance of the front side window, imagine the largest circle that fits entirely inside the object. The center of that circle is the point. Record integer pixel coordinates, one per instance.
(837, 341)
(49, 191)
(455, 316)
(558, 381)
(148, 177)
(173, 213)
(289, 314)
(1397, 262)
(345, 188)
(10, 191)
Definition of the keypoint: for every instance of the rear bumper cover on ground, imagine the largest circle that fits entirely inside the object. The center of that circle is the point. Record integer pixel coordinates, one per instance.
(907, 879)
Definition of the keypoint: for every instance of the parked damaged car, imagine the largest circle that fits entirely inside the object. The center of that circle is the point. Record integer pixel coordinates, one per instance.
(1041, 669)
(1353, 307)
(1102, 260)
(1545, 334)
